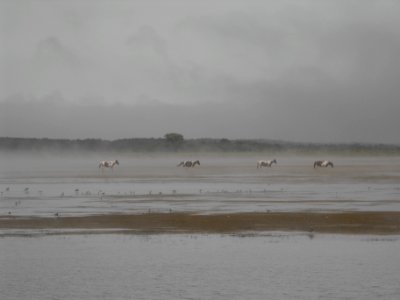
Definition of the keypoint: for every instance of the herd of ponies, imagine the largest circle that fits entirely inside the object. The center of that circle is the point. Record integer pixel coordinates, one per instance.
(191, 163)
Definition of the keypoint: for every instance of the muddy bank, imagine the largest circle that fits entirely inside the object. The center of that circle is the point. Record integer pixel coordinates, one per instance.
(338, 222)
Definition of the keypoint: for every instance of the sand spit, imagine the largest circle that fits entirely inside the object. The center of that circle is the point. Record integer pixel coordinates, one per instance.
(336, 222)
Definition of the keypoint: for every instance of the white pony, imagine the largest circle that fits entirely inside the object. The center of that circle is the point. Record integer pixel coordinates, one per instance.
(189, 163)
(108, 164)
(323, 163)
(265, 163)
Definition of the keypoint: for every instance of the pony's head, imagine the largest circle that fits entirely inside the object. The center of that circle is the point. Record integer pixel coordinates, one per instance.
(196, 162)
(274, 161)
(116, 162)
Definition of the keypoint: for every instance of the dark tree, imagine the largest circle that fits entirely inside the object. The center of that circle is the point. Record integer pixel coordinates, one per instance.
(174, 138)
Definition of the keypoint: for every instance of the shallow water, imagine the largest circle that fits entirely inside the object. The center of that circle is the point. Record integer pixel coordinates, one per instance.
(264, 266)
(40, 264)
(45, 185)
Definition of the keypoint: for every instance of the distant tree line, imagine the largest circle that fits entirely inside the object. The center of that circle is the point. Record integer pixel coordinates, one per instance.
(176, 143)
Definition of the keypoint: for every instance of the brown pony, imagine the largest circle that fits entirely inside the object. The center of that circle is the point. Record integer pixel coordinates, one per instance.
(265, 163)
(323, 163)
(189, 163)
(108, 164)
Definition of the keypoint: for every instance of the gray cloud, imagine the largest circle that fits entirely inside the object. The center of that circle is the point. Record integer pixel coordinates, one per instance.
(147, 39)
(308, 71)
(52, 51)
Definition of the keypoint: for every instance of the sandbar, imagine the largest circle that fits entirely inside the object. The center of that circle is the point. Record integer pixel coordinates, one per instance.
(384, 223)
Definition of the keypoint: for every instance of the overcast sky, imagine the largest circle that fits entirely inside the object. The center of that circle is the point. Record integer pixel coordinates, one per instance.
(307, 71)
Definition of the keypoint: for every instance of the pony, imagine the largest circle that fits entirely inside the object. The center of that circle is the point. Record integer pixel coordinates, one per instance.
(323, 163)
(189, 163)
(265, 163)
(108, 164)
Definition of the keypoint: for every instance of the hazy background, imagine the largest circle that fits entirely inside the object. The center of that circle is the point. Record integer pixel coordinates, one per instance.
(312, 71)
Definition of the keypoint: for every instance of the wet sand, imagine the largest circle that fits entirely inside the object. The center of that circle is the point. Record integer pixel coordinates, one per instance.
(384, 223)
(360, 195)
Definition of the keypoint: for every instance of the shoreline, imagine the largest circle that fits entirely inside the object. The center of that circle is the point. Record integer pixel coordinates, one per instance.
(349, 222)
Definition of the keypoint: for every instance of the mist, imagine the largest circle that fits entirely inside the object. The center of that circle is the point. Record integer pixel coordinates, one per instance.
(300, 71)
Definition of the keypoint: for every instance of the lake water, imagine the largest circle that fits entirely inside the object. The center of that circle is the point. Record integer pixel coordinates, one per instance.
(264, 266)
(45, 185)
(39, 265)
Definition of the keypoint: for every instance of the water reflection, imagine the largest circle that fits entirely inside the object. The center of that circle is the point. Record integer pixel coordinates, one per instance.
(266, 266)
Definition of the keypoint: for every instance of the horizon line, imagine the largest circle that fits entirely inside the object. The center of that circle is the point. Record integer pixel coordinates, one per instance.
(210, 138)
